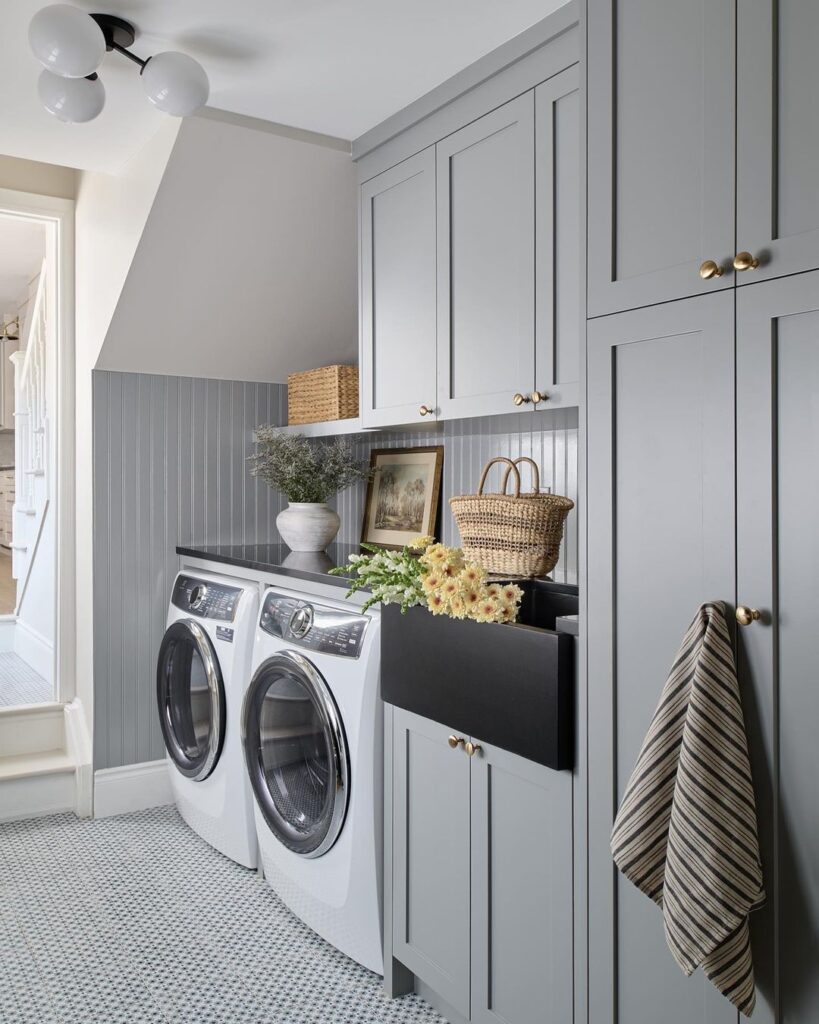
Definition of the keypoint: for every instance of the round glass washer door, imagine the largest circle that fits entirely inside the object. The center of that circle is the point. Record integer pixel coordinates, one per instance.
(190, 695)
(296, 754)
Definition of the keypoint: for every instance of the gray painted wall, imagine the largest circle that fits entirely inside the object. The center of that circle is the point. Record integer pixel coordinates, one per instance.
(169, 468)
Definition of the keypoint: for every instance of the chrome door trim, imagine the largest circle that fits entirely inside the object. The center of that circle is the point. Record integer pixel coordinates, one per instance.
(201, 768)
(296, 664)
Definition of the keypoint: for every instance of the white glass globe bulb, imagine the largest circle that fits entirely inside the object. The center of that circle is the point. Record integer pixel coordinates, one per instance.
(66, 41)
(175, 83)
(72, 100)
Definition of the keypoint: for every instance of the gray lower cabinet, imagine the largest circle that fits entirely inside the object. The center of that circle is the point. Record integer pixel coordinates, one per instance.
(661, 81)
(481, 875)
(777, 136)
(777, 573)
(661, 540)
(486, 262)
(430, 842)
(521, 891)
(398, 343)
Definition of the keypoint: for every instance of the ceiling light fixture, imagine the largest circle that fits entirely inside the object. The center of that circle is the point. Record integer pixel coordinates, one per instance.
(71, 44)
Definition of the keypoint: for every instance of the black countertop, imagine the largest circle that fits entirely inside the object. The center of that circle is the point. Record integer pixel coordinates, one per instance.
(279, 559)
(314, 567)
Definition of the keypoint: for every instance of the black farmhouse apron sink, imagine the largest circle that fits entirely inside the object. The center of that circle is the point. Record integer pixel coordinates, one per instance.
(510, 685)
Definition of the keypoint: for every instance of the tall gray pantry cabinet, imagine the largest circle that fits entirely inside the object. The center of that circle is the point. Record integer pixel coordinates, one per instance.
(702, 431)
(703, 146)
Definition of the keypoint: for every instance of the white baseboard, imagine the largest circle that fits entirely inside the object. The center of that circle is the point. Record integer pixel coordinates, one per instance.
(133, 787)
(35, 650)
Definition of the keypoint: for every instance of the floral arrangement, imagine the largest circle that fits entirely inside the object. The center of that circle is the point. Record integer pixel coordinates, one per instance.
(305, 471)
(433, 575)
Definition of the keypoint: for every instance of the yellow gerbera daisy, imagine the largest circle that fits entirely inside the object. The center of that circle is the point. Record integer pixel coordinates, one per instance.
(457, 607)
(431, 582)
(436, 604)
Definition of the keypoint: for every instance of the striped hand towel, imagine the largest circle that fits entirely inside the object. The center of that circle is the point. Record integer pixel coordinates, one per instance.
(685, 833)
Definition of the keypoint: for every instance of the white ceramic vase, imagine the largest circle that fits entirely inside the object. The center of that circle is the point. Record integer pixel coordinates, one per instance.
(308, 525)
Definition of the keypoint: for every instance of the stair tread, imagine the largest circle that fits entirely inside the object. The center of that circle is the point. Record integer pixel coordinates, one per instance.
(46, 762)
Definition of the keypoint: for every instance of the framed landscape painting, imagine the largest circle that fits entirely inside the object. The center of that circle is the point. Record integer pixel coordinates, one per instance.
(402, 496)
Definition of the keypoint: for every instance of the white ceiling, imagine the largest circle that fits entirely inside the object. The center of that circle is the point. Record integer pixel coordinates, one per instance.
(22, 247)
(333, 66)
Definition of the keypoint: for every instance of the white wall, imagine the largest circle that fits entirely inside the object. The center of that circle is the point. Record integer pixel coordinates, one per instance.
(33, 176)
(247, 266)
(111, 212)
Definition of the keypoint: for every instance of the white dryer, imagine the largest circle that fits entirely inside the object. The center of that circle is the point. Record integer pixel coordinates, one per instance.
(312, 733)
(202, 671)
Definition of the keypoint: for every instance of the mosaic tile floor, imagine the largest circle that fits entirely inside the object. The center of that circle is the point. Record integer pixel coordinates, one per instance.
(19, 683)
(135, 920)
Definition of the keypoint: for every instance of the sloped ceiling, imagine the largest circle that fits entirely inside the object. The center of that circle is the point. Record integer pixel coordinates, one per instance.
(246, 269)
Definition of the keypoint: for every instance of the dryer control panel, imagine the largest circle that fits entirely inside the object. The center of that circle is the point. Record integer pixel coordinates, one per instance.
(314, 626)
(205, 599)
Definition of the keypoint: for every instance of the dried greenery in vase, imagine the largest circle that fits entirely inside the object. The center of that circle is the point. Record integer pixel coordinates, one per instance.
(305, 471)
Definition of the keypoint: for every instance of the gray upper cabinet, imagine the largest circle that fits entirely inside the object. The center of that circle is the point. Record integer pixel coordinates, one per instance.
(777, 137)
(398, 347)
(777, 564)
(557, 238)
(431, 856)
(661, 541)
(661, 86)
(521, 891)
(486, 262)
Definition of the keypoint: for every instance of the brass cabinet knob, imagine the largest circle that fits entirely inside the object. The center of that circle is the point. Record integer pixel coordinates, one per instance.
(539, 396)
(456, 741)
(745, 616)
(472, 748)
(709, 269)
(426, 411)
(519, 399)
(745, 261)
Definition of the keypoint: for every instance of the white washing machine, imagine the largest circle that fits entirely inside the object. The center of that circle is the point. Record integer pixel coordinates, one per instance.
(202, 672)
(312, 733)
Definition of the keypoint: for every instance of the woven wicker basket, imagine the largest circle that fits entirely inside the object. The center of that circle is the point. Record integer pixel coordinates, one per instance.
(329, 393)
(512, 534)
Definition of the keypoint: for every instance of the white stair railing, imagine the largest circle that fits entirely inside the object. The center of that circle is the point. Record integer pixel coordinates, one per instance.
(30, 432)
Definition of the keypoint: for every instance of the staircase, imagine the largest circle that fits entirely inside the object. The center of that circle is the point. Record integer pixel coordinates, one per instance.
(31, 425)
(44, 761)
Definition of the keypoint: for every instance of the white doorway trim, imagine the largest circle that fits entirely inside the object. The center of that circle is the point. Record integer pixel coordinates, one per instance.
(58, 217)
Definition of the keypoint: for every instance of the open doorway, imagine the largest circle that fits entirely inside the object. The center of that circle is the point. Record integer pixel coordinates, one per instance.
(32, 391)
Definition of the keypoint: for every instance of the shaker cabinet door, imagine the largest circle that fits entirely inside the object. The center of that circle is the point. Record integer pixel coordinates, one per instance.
(521, 891)
(661, 541)
(486, 262)
(558, 250)
(398, 348)
(431, 898)
(661, 87)
(777, 137)
(777, 572)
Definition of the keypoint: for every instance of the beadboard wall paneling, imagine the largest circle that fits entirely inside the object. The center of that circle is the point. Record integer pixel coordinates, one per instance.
(169, 468)
(548, 437)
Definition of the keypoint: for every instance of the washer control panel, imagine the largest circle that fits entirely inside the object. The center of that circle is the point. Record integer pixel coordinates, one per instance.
(206, 600)
(313, 626)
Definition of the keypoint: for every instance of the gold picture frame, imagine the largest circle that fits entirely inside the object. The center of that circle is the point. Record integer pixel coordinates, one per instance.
(402, 495)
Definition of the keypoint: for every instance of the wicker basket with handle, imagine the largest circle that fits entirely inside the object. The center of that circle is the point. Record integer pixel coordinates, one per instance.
(329, 393)
(512, 534)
